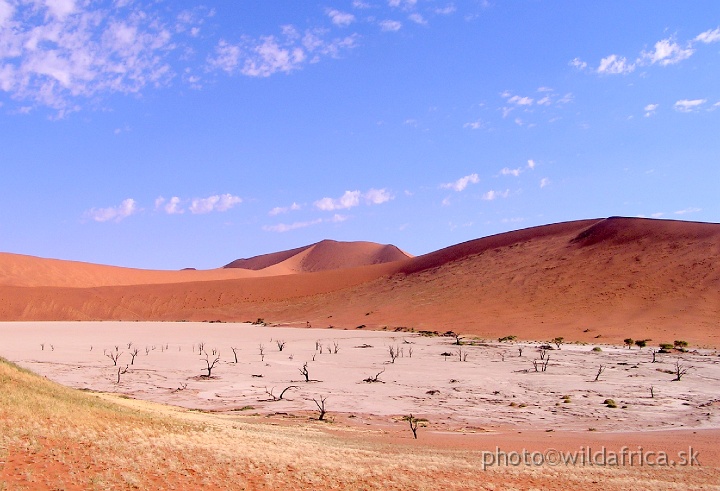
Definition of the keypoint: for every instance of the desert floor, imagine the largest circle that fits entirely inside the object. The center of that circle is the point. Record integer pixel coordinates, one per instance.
(476, 386)
(477, 396)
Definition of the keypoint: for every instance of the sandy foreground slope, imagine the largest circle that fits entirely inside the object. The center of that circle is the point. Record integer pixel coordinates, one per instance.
(484, 411)
(589, 280)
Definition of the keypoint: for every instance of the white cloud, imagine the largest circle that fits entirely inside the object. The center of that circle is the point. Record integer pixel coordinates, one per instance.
(76, 50)
(578, 63)
(520, 101)
(650, 109)
(6, 12)
(417, 18)
(348, 200)
(359, 4)
(531, 164)
(544, 182)
(545, 101)
(351, 199)
(377, 196)
(688, 210)
(284, 209)
(506, 171)
(173, 207)
(218, 202)
(615, 64)
(474, 125)
(462, 183)
(339, 18)
(268, 55)
(667, 52)
(116, 213)
(390, 25)
(492, 195)
(709, 36)
(686, 106)
(60, 8)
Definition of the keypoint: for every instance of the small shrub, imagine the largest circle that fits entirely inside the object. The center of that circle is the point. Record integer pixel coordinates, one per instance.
(597, 349)
(610, 403)
(507, 338)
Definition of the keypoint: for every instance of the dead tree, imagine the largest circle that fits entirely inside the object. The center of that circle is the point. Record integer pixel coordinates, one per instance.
(280, 344)
(541, 365)
(336, 347)
(458, 340)
(652, 392)
(410, 352)
(654, 352)
(42, 346)
(321, 407)
(133, 353)
(680, 370)
(114, 357)
(262, 352)
(462, 355)
(274, 398)
(543, 354)
(520, 350)
(376, 378)
(599, 372)
(305, 372)
(121, 371)
(394, 353)
(201, 347)
(210, 365)
(234, 350)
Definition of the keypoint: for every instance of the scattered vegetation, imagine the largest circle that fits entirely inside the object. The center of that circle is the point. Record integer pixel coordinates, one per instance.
(610, 403)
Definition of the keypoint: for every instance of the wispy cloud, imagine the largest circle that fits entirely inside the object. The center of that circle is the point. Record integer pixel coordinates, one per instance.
(506, 171)
(688, 106)
(474, 125)
(664, 52)
(688, 210)
(461, 183)
(218, 202)
(287, 227)
(544, 182)
(390, 25)
(114, 213)
(709, 36)
(351, 199)
(492, 195)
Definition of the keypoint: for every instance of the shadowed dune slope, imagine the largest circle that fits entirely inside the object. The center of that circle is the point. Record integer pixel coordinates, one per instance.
(323, 256)
(594, 281)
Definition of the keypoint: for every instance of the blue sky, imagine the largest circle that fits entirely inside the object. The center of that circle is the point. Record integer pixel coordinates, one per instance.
(169, 134)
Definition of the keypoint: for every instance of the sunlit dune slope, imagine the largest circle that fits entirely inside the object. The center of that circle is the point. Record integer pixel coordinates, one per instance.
(594, 280)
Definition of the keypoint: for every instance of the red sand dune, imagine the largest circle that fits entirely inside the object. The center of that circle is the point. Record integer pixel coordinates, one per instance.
(594, 281)
(323, 256)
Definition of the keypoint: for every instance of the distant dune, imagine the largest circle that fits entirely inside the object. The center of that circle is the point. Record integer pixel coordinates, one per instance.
(592, 281)
(323, 256)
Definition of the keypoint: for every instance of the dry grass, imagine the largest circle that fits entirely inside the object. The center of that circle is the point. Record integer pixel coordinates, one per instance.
(52, 437)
